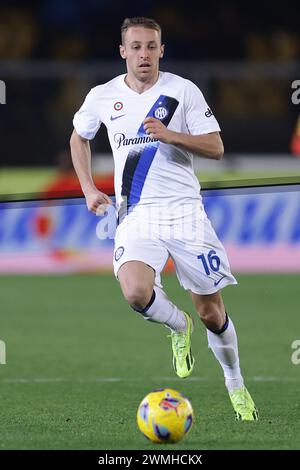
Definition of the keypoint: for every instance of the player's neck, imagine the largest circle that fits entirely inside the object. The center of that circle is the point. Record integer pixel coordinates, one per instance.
(139, 86)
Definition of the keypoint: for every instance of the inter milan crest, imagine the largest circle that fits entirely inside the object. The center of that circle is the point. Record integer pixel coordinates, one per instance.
(161, 113)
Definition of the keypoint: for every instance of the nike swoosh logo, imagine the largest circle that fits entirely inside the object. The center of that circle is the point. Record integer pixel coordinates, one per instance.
(113, 118)
(217, 282)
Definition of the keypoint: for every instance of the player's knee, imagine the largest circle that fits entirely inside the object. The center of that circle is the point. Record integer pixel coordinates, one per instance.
(211, 316)
(137, 296)
(205, 314)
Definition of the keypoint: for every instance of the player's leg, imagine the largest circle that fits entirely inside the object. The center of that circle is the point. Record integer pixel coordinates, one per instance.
(138, 262)
(221, 336)
(137, 283)
(202, 266)
(222, 340)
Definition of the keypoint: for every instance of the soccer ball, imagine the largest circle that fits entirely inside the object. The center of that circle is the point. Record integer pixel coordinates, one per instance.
(165, 416)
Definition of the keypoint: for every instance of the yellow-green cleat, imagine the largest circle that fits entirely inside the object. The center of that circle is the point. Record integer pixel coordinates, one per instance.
(183, 360)
(243, 405)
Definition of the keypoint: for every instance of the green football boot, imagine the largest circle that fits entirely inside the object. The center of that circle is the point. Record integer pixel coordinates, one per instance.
(183, 360)
(243, 405)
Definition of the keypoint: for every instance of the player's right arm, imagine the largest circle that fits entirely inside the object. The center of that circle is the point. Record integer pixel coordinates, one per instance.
(81, 157)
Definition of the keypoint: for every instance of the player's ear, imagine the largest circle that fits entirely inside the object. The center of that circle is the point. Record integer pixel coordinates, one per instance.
(162, 51)
(122, 52)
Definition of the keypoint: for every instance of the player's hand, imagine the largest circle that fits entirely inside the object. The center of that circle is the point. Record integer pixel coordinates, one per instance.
(157, 130)
(97, 201)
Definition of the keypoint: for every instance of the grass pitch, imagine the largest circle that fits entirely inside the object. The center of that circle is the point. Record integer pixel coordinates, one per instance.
(23, 181)
(79, 361)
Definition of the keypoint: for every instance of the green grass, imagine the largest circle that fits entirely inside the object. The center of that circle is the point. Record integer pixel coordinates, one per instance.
(24, 180)
(228, 179)
(29, 180)
(79, 361)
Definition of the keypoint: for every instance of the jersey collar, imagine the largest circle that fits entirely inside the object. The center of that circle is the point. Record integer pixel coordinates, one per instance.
(124, 85)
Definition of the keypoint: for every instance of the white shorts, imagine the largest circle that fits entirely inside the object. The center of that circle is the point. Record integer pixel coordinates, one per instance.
(199, 257)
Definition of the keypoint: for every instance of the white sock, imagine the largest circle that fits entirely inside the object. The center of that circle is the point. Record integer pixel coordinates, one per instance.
(225, 349)
(161, 310)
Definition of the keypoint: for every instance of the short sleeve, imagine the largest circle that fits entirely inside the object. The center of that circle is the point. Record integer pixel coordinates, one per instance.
(199, 117)
(86, 121)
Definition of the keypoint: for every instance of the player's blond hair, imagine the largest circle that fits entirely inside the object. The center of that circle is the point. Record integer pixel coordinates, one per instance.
(139, 21)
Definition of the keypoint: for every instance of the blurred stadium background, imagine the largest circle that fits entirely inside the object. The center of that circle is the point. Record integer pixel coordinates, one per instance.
(56, 327)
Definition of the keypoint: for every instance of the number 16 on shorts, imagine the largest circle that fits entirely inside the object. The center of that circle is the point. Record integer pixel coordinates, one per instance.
(211, 262)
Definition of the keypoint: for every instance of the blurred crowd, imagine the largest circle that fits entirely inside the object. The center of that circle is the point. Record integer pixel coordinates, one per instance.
(255, 112)
(194, 30)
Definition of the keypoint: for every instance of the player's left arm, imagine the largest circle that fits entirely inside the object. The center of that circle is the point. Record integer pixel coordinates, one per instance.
(206, 145)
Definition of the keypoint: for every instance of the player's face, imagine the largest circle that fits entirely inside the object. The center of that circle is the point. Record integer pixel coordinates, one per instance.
(142, 50)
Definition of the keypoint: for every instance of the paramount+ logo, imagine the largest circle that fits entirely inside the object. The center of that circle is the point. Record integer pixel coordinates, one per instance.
(121, 140)
(2, 92)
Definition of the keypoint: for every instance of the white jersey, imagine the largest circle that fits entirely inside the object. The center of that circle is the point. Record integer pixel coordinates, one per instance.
(148, 172)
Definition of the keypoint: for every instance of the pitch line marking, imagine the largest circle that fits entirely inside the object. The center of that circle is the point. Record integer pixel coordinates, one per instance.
(41, 380)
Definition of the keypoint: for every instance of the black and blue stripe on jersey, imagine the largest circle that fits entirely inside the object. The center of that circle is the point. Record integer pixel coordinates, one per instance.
(138, 163)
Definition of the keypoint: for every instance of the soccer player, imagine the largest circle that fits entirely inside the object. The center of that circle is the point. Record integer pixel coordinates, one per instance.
(156, 122)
